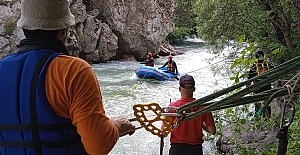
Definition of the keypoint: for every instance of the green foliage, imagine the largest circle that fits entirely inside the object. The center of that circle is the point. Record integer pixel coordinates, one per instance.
(184, 20)
(294, 130)
(245, 58)
(243, 62)
(9, 28)
(241, 120)
(293, 136)
(100, 52)
(2, 2)
(178, 35)
(5, 2)
(221, 23)
(245, 26)
(81, 37)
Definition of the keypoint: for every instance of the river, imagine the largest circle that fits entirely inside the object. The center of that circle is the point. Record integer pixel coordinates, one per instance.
(121, 89)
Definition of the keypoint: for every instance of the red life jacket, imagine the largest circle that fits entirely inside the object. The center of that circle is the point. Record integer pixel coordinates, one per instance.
(150, 61)
(261, 67)
(171, 66)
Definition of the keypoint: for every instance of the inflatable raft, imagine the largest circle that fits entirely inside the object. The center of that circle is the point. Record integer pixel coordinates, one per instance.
(147, 72)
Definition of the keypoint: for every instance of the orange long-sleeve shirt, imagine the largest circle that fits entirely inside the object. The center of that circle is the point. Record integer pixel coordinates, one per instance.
(74, 92)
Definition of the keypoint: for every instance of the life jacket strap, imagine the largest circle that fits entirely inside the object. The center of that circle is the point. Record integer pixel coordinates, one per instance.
(42, 127)
(45, 144)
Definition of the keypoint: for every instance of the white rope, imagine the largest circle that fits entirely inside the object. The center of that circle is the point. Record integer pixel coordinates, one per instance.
(289, 88)
(204, 67)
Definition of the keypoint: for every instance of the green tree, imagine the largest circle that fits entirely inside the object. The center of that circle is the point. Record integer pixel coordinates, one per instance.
(245, 26)
(184, 20)
(267, 23)
(296, 8)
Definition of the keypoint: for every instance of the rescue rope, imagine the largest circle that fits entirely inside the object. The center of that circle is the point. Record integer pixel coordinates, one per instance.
(135, 86)
(236, 99)
(282, 134)
(290, 90)
(204, 67)
(239, 98)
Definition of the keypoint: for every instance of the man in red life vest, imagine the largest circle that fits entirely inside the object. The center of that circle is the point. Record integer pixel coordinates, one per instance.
(172, 67)
(149, 60)
(187, 138)
(257, 68)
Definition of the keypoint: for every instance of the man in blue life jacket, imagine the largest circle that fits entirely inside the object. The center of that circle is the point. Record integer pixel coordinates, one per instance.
(51, 103)
(260, 66)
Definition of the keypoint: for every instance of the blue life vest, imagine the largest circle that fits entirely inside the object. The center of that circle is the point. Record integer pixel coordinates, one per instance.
(28, 125)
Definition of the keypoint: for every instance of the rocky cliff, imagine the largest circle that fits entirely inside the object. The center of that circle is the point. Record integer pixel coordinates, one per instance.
(104, 30)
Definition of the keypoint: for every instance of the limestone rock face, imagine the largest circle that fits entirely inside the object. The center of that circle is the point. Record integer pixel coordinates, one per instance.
(104, 30)
(140, 25)
(10, 36)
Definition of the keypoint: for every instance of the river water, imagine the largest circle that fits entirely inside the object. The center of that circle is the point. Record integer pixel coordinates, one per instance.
(121, 89)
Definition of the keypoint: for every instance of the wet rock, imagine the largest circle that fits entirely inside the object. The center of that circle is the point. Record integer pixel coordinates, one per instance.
(132, 27)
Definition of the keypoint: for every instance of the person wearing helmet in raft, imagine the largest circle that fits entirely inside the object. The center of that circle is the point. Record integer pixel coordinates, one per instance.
(149, 60)
(171, 67)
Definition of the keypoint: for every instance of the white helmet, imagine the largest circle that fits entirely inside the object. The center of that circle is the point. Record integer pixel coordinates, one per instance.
(45, 15)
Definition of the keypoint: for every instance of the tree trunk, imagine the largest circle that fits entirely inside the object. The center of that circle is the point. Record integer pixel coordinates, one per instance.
(282, 25)
(288, 40)
(296, 7)
(275, 22)
(287, 20)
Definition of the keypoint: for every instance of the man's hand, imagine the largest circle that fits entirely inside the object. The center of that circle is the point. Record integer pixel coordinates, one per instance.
(124, 125)
(209, 129)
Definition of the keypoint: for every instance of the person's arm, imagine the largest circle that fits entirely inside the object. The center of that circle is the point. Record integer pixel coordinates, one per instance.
(208, 123)
(74, 92)
(176, 70)
(145, 61)
(163, 65)
(209, 129)
(271, 65)
(251, 74)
